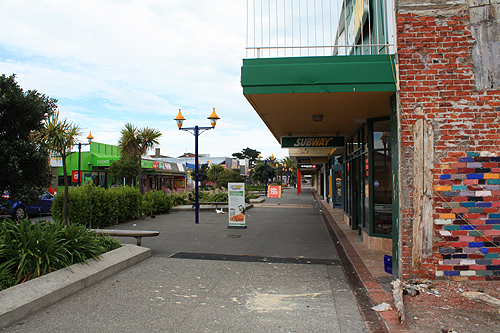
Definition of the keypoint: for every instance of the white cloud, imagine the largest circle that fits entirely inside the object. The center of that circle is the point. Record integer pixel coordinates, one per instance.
(111, 62)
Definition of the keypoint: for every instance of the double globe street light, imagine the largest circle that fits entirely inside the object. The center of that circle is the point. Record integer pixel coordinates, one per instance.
(196, 131)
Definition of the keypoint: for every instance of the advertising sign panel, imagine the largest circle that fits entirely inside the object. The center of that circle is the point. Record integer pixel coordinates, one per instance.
(274, 192)
(236, 196)
(75, 175)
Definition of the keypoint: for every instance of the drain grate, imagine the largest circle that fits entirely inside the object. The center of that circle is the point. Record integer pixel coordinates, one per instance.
(233, 236)
(255, 258)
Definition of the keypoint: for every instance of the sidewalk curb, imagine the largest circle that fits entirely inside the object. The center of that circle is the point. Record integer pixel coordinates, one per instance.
(25, 299)
(372, 288)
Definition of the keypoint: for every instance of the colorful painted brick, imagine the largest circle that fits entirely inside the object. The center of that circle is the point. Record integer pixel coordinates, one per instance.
(442, 188)
(451, 227)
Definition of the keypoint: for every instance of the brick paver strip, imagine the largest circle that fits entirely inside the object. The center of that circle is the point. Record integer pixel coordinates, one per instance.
(370, 292)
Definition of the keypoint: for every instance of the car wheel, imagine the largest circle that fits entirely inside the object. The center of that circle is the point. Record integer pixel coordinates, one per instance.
(19, 213)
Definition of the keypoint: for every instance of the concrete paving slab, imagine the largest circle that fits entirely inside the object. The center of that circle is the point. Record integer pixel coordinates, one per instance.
(164, 294)
(185, 295)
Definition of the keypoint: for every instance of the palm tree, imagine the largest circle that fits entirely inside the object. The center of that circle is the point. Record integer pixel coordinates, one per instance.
(60, 136)
(214, 172)
(135, 142)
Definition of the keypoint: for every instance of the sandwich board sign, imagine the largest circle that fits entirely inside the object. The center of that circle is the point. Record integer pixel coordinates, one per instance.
(236, 201)
(274, 191)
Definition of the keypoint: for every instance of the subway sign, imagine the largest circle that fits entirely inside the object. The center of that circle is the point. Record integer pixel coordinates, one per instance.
(312, 141)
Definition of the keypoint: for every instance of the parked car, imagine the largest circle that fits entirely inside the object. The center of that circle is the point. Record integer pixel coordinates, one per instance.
(20, 210)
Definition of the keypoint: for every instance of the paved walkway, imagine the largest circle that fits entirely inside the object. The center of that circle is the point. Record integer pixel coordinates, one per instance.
(281, 274)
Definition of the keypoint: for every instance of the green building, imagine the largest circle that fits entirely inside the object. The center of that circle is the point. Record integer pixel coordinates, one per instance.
(94, 168)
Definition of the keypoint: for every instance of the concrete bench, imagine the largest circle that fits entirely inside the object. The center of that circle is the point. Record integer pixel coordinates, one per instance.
(138, 234)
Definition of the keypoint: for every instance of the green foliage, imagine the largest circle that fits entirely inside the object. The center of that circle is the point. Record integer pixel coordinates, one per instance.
(129, 201)
(29, 250)
(94, 206)
(214, 172)
(125, 167)
(229, 177)
(251, 154)
(7, 279)
(88, 205)
(24, 170)
(259, 171)
(156, 202)
(107, 243)
(59, 136)
(80, 244)
(259, 187)
(135, 142)
(179, 198)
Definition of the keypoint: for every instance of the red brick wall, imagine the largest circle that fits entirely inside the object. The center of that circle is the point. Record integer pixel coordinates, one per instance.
(437, 74)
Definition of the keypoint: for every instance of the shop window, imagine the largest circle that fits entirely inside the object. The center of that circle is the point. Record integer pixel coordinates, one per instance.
(382, 178)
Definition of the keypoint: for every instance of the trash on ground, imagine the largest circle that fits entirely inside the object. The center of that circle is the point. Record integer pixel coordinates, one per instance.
(382, 307)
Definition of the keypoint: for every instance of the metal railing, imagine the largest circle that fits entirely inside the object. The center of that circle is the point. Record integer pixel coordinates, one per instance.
(290, 28)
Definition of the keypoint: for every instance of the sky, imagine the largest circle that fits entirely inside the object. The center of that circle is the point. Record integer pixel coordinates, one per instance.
(112, 62)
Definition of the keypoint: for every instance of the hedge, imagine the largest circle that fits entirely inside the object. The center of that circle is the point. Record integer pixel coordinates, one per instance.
(95, 206)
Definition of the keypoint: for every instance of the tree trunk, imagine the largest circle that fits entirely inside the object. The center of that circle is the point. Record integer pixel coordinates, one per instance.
(66, 186)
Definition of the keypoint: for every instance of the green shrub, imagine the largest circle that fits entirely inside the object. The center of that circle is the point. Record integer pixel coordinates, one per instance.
(29, 250)
(157, 202)
(107, 243)
(179, 198)
(7, 279)
(129, 201)
(94, 206)
(80, 244)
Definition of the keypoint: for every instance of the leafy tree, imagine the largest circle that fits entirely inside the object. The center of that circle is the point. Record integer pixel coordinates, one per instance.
(24, 170)
(59, 136)
(229, 176)
(251, 154)
(259, 171)
(135, 142)
(126, 167)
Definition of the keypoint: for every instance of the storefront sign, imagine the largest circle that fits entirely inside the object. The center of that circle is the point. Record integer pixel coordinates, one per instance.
(274, 192)
(179, 182)
(236, 196)
(103, 162)
(155, 164)
(307, 166)
(75, 176)
(313, 142)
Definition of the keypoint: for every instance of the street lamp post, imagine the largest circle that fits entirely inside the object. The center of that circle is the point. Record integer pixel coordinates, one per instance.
(90, 138)
(196, 131)
(265, 174)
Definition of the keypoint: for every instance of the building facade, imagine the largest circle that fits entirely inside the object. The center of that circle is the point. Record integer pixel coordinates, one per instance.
(406, 99)
(94, 168)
